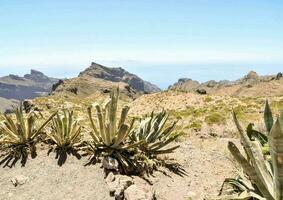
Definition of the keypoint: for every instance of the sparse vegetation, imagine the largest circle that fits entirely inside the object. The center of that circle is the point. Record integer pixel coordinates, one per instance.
(215, 118)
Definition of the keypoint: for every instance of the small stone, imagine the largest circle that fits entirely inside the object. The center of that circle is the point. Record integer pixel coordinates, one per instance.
(124, 181)
(135, 193)
(19, 180)
(110, 178)
(110, 163)
(191, 195)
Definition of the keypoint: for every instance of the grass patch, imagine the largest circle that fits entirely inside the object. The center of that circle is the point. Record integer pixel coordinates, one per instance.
(215, 118)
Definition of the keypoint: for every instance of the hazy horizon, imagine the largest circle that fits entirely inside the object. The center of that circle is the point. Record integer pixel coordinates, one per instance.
(164, 75)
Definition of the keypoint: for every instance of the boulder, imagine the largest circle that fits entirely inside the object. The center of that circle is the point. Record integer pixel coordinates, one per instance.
(201, 91)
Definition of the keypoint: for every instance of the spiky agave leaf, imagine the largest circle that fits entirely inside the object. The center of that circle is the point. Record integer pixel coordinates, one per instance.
(108, 131)
(250, 170)
(65, 130)
(276, 151)
(110, 135)
(156, 137)
(266, 174)
(22, 130)
(268, 118)
(256, 158)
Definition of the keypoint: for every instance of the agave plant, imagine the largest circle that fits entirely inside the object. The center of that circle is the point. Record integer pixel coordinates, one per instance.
(21, 131)
(266, 177)
(65, 130)
(152, 130)
(109, 134)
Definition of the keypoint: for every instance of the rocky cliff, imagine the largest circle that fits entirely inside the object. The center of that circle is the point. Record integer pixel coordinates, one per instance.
(99, 80)
(119, 75)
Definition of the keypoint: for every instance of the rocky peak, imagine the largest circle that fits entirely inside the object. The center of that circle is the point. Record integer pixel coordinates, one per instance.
(252, 75)
(185, 84)
(36, 76)
(119, 75)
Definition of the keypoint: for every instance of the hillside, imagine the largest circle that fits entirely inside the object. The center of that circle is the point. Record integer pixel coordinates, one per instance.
(100, 79)
(250, 85)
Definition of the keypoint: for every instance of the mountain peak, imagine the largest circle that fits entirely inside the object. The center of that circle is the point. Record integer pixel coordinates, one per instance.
(252, 75)
(36, 76)
(118, 74)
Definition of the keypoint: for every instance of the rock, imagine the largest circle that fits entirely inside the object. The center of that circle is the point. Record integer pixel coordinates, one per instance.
(73, 90)
(56, 85)
(110, 163)
(110, 178)
(27, 105)
(201, 91)
(135, 193)
(191, 195)
(118, 184)
(279, 75)
(19, 180)
(141, 190)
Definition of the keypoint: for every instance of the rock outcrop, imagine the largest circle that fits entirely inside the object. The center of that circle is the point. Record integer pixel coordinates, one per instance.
(99, 80)
(119, 75)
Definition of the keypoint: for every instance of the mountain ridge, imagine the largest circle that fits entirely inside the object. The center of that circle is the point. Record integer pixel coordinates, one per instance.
(248, 85)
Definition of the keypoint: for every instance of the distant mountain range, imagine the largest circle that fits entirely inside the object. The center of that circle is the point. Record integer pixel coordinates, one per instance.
(14, 88)
(96, 78)
(99, 79)
(250, 85)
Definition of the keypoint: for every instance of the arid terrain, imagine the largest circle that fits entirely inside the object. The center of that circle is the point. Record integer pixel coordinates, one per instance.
(203, 160)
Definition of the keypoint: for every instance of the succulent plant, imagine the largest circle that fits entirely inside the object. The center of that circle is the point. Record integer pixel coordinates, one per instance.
(152, 130)
(65, 130)
(21, 131)
(266, 177)
(110, 135)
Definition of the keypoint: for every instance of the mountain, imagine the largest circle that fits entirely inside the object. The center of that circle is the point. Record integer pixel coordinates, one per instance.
(14, 88)
(30, 86)
(249, 85)
(101, 79)
(119, 75)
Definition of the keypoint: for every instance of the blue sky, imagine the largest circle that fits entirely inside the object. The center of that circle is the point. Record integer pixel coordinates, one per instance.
(160, 40)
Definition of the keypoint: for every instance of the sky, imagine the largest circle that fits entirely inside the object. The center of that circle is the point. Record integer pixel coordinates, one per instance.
(160, 40)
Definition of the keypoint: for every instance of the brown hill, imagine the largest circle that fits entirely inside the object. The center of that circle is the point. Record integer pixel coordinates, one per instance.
(101, 79)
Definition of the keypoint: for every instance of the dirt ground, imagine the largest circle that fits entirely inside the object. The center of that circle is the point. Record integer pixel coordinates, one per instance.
(206, 163)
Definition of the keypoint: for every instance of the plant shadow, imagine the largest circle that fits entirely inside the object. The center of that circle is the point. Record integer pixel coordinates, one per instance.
(61, 155)
(14, 154)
